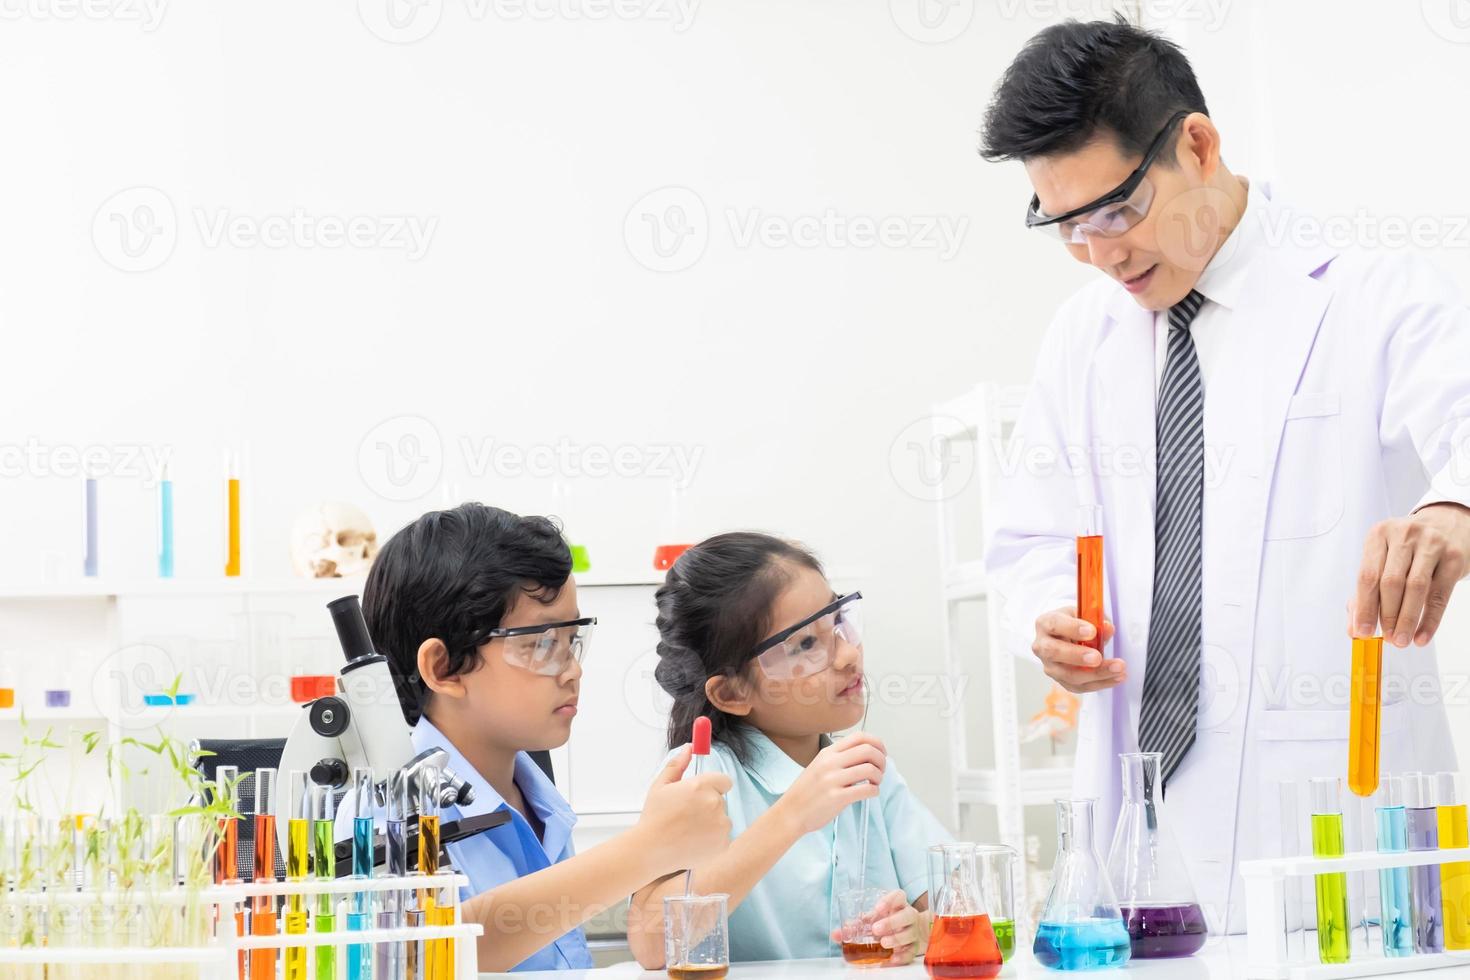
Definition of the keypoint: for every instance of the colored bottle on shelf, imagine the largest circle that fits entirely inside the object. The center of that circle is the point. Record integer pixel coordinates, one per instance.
(1422, 826)
(1081, 927)
(1327, 841)
(665, 555)
(1366, 689)
(89, 527)
(1395, 904)
(1454, 876)
(232, 517)
(581, 560)
(166, 525)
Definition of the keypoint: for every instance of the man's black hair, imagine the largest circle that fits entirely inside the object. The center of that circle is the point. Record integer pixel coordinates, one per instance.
(453, 575)
(1075, 82)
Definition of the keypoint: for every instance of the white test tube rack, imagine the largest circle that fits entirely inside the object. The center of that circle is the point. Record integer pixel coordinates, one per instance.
(219, 958)
(1268, 952)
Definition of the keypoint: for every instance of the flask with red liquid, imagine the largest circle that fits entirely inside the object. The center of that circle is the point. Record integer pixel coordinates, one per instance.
(962, 939)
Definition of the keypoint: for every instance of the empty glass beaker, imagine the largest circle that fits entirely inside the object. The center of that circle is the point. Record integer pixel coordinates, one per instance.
(1147, 869)
(962, 941)
(1081, 927)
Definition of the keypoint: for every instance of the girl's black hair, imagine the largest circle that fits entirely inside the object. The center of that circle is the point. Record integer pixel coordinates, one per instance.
(453, 575)
(713, 609)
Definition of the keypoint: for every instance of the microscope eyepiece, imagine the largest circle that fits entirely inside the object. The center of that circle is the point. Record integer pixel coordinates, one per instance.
(352, 631)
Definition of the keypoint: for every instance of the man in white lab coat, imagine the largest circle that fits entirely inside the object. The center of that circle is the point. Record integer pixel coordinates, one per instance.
(1273, 428)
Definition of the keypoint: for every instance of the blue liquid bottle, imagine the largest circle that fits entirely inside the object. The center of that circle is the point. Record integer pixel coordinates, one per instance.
(1396, 905)
(1422, 825)
(1081, 927)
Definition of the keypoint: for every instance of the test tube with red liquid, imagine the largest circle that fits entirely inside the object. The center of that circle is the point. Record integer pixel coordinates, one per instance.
(1090, 573)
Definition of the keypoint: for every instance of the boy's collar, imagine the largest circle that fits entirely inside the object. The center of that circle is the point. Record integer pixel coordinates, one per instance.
(539, 792)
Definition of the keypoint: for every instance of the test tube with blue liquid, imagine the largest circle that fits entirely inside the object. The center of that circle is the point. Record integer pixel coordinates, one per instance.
(1394, 897)
(360, 911)
(1422, 825)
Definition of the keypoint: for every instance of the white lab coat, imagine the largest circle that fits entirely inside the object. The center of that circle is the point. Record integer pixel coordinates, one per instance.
(1340, 398)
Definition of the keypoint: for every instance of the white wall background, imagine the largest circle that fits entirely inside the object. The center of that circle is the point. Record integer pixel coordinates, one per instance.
(528, 137)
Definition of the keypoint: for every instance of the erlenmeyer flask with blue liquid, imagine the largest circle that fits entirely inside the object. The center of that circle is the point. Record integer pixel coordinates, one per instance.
(1081, 927)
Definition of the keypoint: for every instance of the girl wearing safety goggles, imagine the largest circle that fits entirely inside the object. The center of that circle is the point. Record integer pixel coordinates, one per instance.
(752, 636)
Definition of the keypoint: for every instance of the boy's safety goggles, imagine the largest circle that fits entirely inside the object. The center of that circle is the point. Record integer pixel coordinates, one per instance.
(810, 646)
(547, 649)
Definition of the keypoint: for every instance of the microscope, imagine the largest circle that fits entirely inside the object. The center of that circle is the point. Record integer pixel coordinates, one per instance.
(362, 725)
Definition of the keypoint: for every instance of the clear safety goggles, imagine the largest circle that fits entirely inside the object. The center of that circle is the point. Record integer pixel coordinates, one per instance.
(1108, 221)
(810, 646)
(1116, 211)
(548, 649)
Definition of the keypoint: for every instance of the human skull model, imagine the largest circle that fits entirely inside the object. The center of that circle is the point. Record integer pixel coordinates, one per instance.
(332, 540)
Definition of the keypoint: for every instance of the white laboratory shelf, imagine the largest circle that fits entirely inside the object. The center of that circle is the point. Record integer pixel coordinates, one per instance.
(102, 588)
(1039, 786)
(72, 713)
(965, 580)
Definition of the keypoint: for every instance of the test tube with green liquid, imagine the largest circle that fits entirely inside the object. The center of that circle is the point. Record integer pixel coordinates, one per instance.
(1332, 896)
(324, 863)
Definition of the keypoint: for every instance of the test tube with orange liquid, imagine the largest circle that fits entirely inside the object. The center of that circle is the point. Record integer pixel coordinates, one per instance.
(263, 912)
(226, 854)
(1090, 573)
(1366, 693)
(232, 516)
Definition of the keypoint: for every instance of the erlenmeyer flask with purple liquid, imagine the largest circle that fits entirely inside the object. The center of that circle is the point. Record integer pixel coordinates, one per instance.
(1147, 869)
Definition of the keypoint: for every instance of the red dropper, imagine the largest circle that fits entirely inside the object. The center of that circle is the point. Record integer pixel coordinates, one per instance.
(699, 745)
(700, 737)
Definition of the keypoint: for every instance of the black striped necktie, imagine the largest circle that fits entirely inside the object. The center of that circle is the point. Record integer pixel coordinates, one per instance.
(1167, 719)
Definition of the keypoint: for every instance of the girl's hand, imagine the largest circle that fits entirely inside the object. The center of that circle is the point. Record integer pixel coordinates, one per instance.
(897, 925)
(841, 774)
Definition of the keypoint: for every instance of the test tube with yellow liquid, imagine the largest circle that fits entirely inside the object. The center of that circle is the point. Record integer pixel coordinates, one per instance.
(298, 851)
(438, 953)
(1454, 877)
(1366, 692)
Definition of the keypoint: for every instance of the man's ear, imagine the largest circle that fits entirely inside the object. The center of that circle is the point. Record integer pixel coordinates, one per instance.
(433, 663)
(730, 694)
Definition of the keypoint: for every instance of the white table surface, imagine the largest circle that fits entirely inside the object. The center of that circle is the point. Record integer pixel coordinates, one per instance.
(1222, 959)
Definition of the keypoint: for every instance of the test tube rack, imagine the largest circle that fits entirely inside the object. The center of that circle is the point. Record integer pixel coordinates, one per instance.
(1268, 950)
(218, 958)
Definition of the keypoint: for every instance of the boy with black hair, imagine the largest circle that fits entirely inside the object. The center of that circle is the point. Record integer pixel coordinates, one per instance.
(477, 612)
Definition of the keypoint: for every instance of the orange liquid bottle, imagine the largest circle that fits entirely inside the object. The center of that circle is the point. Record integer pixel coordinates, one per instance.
(962, 946)
(1090, 574)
